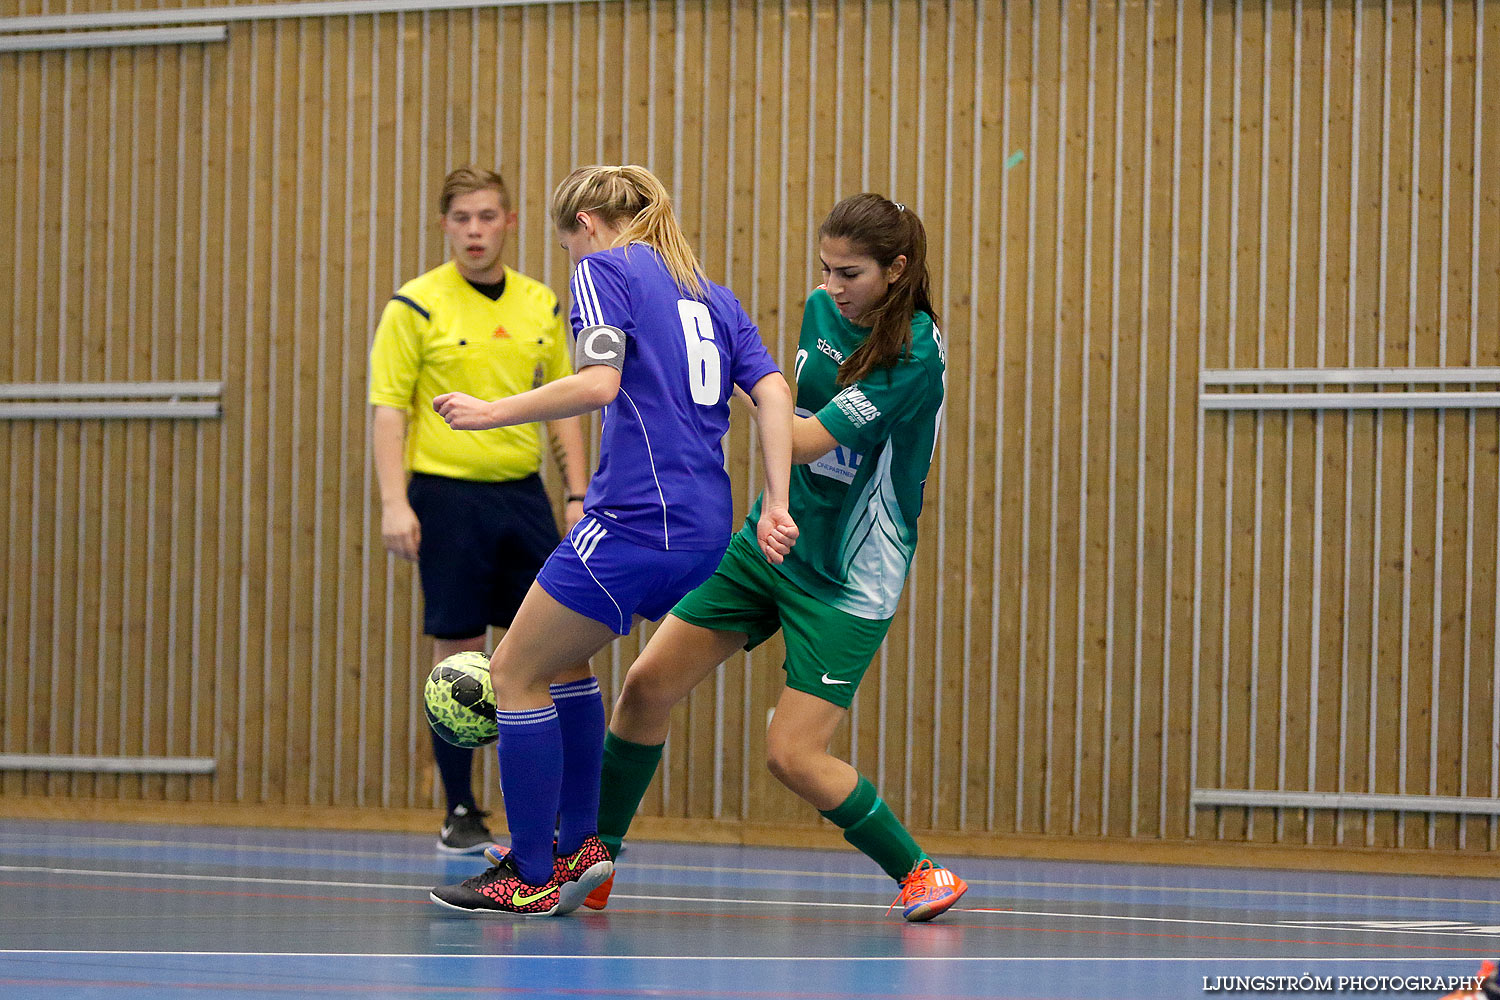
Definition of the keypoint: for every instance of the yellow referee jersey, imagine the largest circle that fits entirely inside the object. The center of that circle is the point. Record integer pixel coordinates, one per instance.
(440, 334)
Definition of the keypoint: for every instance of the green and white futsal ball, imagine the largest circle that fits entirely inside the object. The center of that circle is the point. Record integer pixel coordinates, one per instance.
(460, 702)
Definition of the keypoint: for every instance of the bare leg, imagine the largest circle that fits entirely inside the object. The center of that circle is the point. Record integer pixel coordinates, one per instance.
(678, 656)
(797, 750)
(797, 753)
(546, 643)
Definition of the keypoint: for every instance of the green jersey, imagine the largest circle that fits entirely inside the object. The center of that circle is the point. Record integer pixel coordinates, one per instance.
(856, 507)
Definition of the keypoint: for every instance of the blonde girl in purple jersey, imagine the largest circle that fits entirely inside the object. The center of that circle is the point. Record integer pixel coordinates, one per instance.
(660, 349)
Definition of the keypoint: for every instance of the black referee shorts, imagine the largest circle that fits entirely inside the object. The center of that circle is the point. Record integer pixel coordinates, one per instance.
(482, 544)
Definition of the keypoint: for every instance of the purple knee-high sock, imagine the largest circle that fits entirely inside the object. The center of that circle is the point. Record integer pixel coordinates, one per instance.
(580, 712)
(531, 769)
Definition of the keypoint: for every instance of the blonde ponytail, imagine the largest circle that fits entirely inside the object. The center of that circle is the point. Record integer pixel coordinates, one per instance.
(631, 198)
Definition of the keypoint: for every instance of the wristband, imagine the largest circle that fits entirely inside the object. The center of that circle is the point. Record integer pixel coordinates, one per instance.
(575, 498)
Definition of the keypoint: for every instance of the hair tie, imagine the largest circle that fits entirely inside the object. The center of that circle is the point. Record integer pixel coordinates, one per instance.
(899, 207)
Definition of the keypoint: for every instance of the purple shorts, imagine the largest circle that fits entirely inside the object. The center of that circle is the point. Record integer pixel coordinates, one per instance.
(604, 577)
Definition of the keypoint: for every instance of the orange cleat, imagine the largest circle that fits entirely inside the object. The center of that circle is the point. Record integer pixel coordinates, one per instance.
(599, 898)
(927, 891)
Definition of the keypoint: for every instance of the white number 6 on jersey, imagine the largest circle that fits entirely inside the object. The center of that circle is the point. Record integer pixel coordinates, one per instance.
(703, 357)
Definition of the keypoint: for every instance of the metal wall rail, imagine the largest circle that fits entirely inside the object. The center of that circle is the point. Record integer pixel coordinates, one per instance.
(1349, 400)
(1207, 798)
(113, 39)
(1348, 376)
(107, 765)
(110, 400)
(248, 12)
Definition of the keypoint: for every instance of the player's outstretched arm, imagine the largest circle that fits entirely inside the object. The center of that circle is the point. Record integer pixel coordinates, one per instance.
(810, 440)
(776, 532)
(584, 392)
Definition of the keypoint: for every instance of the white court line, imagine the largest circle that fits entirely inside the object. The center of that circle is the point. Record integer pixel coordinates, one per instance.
(1363, 959)
(185, 877)
(793, 872)
(1127, 918)
(1285, 925)
(402, 886)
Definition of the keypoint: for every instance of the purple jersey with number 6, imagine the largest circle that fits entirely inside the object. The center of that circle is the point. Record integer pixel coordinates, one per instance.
(661, 480)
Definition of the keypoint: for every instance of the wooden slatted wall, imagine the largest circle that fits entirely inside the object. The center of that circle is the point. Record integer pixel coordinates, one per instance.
(1118, 597)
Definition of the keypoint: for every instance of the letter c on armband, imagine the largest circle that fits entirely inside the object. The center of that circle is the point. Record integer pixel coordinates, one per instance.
(610, 352)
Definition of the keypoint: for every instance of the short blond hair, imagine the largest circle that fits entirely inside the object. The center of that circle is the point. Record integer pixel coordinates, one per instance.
(467, 180)
(630, 197)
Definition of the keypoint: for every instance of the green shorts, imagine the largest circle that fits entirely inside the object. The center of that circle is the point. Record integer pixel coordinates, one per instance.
(827, 650)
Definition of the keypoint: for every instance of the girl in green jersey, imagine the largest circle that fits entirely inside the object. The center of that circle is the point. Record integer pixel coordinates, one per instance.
(870, 380)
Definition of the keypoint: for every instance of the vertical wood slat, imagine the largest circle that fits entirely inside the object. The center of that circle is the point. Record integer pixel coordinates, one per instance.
(1111, 602)
(1179, 730)
(10, 266)
(1486, 306)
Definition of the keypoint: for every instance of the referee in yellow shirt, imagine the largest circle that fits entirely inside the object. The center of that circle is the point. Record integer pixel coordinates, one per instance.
(474, 514)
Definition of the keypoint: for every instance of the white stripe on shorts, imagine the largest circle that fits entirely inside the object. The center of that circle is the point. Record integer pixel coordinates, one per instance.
(586, 538)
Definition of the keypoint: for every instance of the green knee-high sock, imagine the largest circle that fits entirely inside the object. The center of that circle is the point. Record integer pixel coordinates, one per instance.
(870, 826)
(627, 772)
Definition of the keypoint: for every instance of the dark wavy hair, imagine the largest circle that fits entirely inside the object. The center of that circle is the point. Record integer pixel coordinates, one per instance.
(878, 227)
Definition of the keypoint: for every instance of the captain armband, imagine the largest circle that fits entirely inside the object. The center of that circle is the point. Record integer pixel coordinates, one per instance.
(600, 345)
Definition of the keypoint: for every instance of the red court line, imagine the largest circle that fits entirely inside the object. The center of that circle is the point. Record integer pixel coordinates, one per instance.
(419, 902)
(1079, 930)
(1252, 940)
(774, 917)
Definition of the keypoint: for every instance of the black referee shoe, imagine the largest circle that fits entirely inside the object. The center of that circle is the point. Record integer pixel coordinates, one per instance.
(464, 831)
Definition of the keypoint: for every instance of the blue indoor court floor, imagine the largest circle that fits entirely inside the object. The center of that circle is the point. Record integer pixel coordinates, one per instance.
(135, 911)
